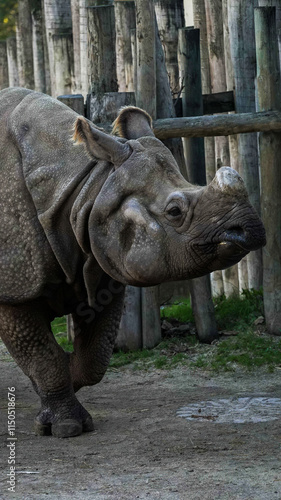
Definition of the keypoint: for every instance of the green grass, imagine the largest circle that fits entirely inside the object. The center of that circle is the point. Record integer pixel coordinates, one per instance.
(248, 348)
(181, 311)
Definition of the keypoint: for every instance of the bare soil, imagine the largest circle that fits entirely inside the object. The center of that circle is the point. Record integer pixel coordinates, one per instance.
(141, 449)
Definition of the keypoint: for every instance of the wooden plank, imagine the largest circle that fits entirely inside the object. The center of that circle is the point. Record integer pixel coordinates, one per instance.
(268, 90)
(210, 126)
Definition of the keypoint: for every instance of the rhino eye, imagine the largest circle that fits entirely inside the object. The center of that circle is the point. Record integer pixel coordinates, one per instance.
(174, 212)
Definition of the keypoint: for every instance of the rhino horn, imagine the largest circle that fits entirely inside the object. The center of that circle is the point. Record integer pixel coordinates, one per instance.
(229, 181)
(133, 123)
(100, 145)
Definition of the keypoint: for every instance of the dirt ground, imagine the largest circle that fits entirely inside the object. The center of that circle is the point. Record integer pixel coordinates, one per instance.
(141, 449)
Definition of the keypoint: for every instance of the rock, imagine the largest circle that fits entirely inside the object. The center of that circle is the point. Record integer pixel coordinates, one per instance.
(259, 321)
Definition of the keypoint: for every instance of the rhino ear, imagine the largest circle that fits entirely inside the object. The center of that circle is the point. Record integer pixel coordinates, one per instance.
(133, 123)
(100, 145)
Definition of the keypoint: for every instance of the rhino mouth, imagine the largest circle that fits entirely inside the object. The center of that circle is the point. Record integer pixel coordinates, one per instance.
(244, 240)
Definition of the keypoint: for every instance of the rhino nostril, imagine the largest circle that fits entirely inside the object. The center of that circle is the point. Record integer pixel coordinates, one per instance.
(236, 234)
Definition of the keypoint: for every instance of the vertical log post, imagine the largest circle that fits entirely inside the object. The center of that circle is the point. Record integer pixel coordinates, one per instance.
(24, 45)
(190, 68)
(164, 102)
(12, 62)
(170, 18)
(38, 49)
(58, 24)
(4, 76)
(200, 22)
(101, 49)
(75, 14)
(125, 21)
(242, 46)
(269, 97)
(73, 101)
(215, 35)
(146, 99)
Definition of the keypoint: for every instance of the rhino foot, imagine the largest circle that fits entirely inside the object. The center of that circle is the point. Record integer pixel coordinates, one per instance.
(62, 417)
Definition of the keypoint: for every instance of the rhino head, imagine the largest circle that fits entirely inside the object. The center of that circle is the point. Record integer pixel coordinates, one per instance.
(148, 224)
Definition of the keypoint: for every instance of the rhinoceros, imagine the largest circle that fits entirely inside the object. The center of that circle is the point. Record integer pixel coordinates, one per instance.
(85, 213)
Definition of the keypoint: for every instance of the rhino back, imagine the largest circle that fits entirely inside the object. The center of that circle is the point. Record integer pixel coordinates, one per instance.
(40, 170)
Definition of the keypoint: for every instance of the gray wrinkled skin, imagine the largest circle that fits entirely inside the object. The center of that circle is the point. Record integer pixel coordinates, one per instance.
(81, 220)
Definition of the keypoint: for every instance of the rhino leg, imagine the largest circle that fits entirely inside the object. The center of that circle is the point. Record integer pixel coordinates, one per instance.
(95, 336)
(25, 330)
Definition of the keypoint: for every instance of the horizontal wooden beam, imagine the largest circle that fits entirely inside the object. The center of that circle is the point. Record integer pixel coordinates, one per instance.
(215, 125)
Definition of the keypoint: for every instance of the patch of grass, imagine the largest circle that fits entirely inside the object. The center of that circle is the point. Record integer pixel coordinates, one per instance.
(59, 330)
(180, 310)
(238, 311)
(248, 349)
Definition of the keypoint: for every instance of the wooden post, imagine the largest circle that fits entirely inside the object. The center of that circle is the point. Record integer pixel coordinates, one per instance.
(242, 46)
(102, 109)
(60, 45)
(200, 22)
(164, 102)
(125, 21)
(130, 330)
(269, 96)
(189, 60)
(146, 99)
(170, 18)
(101, 43)
(4, 76)
(75, 14)
(12, 62)
(215, 36)
(24, 45)
(38, 49)
(146, 56)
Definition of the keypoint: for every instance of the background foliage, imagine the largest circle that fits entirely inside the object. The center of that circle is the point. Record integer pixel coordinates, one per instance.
(8, 11)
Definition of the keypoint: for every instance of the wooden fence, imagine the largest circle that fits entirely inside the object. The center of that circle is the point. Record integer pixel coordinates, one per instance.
(227, 84)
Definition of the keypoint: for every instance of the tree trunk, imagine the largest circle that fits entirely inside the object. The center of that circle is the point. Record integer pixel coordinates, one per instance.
(38, 49)
(125, 21)
(269, 96)
(101, 44)
(60, 45)
(12, 62)
(24, 45)
(242, 45)
(170, 18)
(4, 75)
